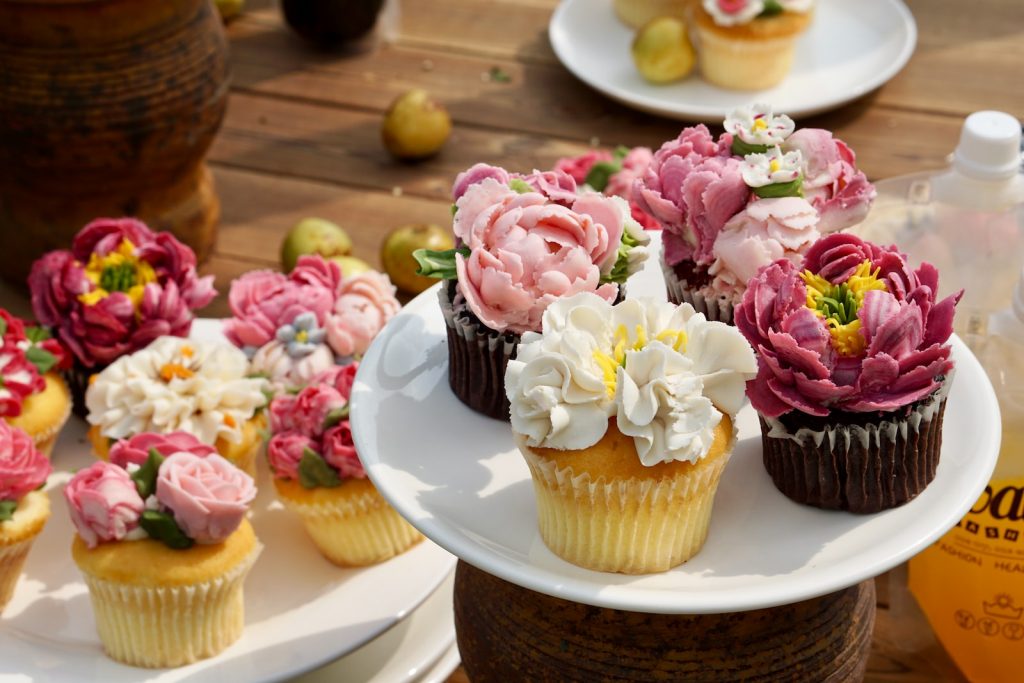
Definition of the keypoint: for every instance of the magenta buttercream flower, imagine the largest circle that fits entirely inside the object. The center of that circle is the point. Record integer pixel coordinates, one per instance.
(312, 406)
(365, 303)
(475, 174)
(579, 167)
(340, 451)
(104, 503)
(853, 328)
(135, 450)
(23, 468)
(832, 183)
(621, 184)
(119, 287)
(208, 496)
(285, 451)
(341, 377)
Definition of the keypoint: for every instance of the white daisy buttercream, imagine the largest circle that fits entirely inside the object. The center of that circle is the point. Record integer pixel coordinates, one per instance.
(176, 384)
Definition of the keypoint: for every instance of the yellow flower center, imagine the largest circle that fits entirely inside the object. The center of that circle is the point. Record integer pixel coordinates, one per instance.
(759, 124)
(301, 336)
(175, 371)
(610, 363)
(119, 271)
(773, 165)
(839, 304)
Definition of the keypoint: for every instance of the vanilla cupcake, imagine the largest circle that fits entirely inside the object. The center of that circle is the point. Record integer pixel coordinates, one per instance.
(164, 550)
(625, 417)
(23, 508)
(749, 44)
(317, 474)
(185, 385)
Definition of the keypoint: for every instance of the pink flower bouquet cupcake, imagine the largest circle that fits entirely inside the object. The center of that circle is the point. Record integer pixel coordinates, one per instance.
(853, 373)
(24, 509)
(297, 325)
(33, 397)
(612, 174)
(318, 475)
(119, 287)
(761, 192)
(522, 242)
(164, 549)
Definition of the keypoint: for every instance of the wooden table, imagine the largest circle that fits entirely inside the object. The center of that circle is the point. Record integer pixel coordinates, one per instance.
(302, 138)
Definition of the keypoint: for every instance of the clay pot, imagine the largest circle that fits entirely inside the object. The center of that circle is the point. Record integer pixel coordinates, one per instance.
(108, 107)
(509, 633)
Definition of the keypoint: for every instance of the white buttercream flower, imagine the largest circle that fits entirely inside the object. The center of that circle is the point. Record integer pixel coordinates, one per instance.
(733, 12)
(772, 167)
(176, 384)
(285, 371)
(796, 5)
(755, 125)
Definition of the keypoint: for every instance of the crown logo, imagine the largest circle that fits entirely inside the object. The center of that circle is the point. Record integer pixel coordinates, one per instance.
(1002, 607)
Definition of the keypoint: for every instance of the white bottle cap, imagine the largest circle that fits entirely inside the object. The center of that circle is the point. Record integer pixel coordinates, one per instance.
(989, 146)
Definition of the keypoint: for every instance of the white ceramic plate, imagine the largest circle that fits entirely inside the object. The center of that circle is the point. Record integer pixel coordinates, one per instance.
(301, 610)
(850, 49)
(444, 667)
(457, 476)
(405, 652)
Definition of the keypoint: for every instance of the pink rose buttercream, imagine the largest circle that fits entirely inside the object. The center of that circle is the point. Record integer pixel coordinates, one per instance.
(207, 496)
(23, 468)
(365, 303)
(312, 406)
(340, 451)
(136, 449)
(285, 451)
(579, 167)
(104, 503)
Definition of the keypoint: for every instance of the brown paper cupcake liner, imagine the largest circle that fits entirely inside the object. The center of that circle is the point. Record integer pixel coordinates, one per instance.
(861, 468)
(680, 290)
(631, 526)
(77, 377)
(477, 356)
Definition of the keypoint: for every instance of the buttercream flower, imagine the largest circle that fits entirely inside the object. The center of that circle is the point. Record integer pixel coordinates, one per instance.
(302, 336)
(135, 450)
(756, 125)
(207, 496)
(832, 183)
(23, 468)
(796, 5)
(341, 377)
(281, 410)
(339, 451)
(835, 335)
(285, 451)
(733, 12)
(312, 407)
(579, 167)
(104, 503)
(475, 174)
(19, 379)
(118, 288)
(364, 304)
(262, 301)
(771, 168)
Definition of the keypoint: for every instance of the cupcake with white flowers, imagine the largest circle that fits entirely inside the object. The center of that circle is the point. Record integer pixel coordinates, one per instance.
(174, 384)
(625, 416)
(762, 191)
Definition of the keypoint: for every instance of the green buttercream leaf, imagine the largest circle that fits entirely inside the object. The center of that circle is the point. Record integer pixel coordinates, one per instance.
(742, 149)
(455, 208)
(771, 8)
(36, 334)
(162, 527)
(314, 472)
(145, 476)
(438, 264)
(520, 186)
(601, 172)
(620, 153)
(41, 358)
(3, 327)
(7, 508)
(620, 271)
(794, 188)
(335, 416)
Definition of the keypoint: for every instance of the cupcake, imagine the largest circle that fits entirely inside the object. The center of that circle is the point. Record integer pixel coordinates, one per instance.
(612, 174)
(636, 13)
(175, 384)
(295, 326)
(318, 475)
(119, 287)
(748, 44)
(33, 397)
(522, 243)
(625, 415)
(24, 509)
(853, 373)
(761, 192)
(164, 549)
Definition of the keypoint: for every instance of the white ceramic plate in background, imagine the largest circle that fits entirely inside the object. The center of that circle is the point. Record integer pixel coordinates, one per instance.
(457, 476)
(850, 49)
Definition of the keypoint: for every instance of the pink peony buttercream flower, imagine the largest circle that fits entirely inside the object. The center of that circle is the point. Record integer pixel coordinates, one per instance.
(119, 287)
(285, 451)
(340, 451)
(365, 303)
(104, 503)
(877, 343)
(476, 174)
(136, 448)
(207, 496)
(262, 301)
(23, 468)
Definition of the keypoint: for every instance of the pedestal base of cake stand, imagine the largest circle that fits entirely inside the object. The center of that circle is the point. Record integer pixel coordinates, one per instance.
(508, 633)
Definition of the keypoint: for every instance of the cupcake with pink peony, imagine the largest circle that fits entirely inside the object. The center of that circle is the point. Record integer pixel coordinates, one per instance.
(118, 288)
(294, 326)
(853, 372)
(202, 388)
(24, 509)
(164, 547)
(33, 396)
(522, 243)
(760, 192)
(612, 173)
(318, 475)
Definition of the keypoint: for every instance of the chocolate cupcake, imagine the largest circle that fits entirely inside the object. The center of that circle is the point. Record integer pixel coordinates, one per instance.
(525, 241)
(760, 192)
(853, 373)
